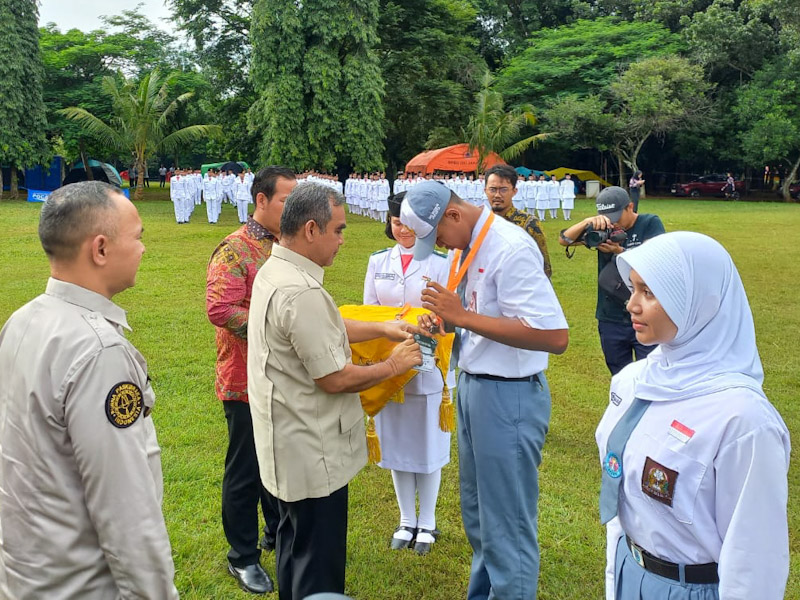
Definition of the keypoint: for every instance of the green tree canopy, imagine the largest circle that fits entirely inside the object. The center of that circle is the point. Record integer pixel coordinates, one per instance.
(726, 38)
(319, 83)
(769, 115)
(581, 58)
(653, 97)
(22, 113)
(431, 67)
(492, 128)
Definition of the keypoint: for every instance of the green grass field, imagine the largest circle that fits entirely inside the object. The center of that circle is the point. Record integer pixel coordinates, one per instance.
(166, 311)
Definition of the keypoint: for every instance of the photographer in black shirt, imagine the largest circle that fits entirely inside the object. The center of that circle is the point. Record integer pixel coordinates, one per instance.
(615, 214)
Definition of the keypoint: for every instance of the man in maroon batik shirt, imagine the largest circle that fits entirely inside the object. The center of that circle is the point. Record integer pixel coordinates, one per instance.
(231, 271)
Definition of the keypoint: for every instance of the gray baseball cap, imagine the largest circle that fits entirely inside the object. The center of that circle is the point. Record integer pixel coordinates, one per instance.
(611, 202)
(421, 211)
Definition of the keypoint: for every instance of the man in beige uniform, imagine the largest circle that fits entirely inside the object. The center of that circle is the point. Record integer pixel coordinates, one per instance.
(80, 466)
(302, 385)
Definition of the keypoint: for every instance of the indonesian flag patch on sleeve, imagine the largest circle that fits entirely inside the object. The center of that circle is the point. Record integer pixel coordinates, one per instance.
(680, 432)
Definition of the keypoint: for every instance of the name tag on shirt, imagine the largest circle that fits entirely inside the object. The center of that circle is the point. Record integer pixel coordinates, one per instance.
(385, 275)
(428, 347)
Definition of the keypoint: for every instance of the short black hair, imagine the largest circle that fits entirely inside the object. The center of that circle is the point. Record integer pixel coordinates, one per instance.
(265, 180)
(309, 202)
(506, 172)
(72, 213)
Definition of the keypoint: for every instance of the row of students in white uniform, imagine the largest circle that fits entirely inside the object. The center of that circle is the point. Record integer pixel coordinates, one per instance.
(368, 195)
(188, 189)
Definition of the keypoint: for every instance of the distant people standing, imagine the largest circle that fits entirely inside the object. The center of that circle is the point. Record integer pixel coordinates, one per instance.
(133, 175)
(635, 188)
(766, 177)
(162, 176)
(146, 176)
(567, 193)
(553, 193)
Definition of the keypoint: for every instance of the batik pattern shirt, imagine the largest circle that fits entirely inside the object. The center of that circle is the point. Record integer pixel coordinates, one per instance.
(531, 224)
(229, 284)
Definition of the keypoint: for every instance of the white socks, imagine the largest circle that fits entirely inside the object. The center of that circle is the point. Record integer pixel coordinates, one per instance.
(406, 487)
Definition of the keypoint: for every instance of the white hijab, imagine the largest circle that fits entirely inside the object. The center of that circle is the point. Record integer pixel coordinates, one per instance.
(697, 284)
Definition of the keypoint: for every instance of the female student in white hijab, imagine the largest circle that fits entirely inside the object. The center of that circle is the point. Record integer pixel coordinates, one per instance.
(694, 456)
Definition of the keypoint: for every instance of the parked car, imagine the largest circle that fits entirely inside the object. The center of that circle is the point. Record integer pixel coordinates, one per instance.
(794, 191)
(707, 185)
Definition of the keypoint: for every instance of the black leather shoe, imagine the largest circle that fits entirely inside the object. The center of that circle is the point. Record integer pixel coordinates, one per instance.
(266, 544)
(399, 544)
(423, 548)
(252, 578)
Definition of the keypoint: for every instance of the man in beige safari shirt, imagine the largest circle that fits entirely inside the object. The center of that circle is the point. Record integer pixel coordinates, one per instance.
(80, 467)
(302, 385)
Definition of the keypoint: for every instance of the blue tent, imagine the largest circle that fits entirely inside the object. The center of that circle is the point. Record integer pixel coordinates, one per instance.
(524, 171)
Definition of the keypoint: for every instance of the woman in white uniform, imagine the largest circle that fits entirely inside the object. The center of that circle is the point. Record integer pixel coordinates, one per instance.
(553, 192)
(567, 193)
(412, 445)
(694, 456)
(542, 198)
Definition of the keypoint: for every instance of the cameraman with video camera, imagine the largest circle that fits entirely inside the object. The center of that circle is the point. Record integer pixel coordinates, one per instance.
(616, 228)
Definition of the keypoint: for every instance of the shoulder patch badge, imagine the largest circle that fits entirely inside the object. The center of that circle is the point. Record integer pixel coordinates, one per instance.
(658, 481)
(124, 404)
(380, 251)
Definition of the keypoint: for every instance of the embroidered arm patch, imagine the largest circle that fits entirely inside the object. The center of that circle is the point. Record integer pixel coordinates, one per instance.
(124, 404)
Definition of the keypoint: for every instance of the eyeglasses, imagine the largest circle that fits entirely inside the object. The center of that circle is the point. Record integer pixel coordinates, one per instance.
(495, 190)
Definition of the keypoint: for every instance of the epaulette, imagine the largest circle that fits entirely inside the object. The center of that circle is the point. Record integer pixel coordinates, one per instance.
(381, 251)
(440, 253)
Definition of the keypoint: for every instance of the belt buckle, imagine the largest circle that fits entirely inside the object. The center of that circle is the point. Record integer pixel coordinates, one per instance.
(636, 552)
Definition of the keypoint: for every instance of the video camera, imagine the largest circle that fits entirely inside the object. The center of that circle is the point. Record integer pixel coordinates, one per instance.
(594, 237)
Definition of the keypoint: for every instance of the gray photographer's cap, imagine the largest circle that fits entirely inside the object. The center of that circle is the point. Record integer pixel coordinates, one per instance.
(611, 202)
(421, 211)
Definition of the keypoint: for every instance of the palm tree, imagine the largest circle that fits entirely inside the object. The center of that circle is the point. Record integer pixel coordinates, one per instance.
(492, 128)
(141, 121)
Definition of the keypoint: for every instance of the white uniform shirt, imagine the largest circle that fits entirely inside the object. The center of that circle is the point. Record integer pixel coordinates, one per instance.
(506, 279)
(387, 285)
(728, 504)
(241, 190)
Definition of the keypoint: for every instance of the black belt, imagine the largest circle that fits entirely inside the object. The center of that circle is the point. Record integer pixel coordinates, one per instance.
(529, 378)
(706, 573)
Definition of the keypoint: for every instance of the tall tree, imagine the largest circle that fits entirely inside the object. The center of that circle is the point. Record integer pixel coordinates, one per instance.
(727, 38)
(22, 113)
(141, 121)
(432, 69)
(769, 114)
(319, 83)
(581, 58)
(653, 97)
(492, 128)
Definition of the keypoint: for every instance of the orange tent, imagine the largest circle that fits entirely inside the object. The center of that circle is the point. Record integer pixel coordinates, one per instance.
(452, 158)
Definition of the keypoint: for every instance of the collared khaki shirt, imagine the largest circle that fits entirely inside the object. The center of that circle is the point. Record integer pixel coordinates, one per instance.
(309, 443)
(80, 466)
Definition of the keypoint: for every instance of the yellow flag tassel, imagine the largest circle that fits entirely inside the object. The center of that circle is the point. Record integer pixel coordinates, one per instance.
(373, 443)
(447, 417)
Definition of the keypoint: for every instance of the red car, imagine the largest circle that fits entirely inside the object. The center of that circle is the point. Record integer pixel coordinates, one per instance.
(794, 191)
(707, 185)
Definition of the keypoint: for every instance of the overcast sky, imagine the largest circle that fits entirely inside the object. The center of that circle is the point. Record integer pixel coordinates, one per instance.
(85, 14)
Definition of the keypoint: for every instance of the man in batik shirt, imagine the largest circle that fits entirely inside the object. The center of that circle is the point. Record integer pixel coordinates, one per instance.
(231, 271)
(501, 186)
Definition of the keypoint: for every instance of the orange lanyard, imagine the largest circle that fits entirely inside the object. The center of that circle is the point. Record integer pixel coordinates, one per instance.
(456, 276)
